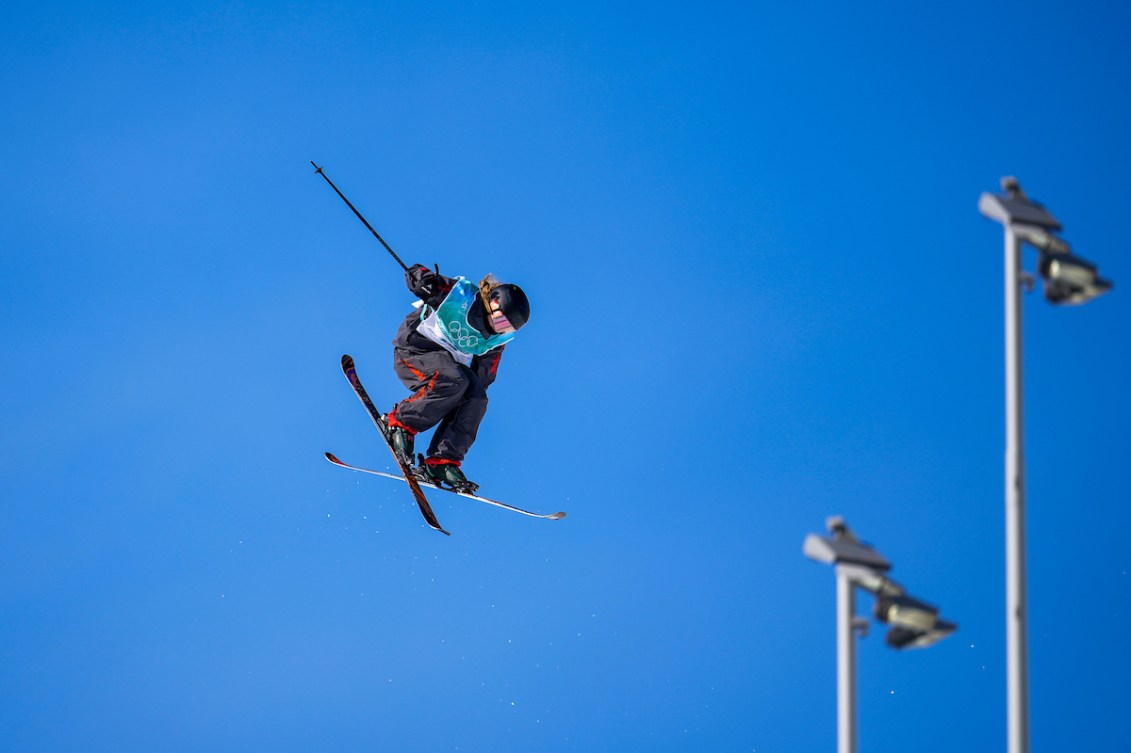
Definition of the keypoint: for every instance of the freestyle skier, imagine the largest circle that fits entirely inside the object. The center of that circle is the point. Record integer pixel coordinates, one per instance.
(447, 353)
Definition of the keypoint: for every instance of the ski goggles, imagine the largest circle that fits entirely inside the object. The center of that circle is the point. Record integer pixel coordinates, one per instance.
(499, 321)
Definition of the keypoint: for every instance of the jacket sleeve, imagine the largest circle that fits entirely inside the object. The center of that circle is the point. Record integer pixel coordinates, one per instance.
(486, 366)
(427, 285)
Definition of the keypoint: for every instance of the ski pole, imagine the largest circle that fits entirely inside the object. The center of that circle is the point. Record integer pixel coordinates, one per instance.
(376, 235)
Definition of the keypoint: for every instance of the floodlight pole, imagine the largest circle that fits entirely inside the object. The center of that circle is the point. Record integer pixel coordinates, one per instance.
(1068, 279)
(1016, 616)
(845, 663)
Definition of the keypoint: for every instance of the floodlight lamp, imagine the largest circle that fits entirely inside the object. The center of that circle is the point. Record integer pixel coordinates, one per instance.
(906, 612)
(1070, 279)
(915, 624)
(869, 578)
(900, 638)
(1040, 238)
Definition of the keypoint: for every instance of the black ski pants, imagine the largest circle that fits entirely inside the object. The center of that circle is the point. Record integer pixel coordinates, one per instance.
(444, 392)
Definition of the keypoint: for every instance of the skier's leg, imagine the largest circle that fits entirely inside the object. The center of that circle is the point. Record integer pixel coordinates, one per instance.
(454, 437)
(438, 384)
(458, 429)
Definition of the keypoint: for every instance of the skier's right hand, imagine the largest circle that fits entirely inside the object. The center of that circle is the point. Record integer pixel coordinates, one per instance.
(421, 281)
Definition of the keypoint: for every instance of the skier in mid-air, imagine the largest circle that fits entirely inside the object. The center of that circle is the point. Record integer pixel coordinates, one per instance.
(447, 353)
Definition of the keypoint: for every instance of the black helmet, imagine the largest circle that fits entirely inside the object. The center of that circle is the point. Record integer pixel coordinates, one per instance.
(513, 303)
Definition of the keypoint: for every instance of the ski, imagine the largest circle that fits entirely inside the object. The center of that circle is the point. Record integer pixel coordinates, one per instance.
(417, 493)
(552, 516)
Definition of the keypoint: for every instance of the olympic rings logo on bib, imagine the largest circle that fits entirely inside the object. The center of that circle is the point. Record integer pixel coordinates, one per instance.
(461, 337)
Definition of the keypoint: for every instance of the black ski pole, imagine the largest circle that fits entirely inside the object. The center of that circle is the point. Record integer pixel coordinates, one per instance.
(376, 235)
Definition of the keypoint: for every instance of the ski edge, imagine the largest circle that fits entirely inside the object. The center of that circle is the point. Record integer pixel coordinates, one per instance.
(341, 464)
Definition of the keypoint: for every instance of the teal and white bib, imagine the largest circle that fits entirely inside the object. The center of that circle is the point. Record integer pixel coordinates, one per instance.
(448, 327)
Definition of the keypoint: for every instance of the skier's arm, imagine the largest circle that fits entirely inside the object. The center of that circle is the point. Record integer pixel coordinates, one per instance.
(427, 285)
(487, 365)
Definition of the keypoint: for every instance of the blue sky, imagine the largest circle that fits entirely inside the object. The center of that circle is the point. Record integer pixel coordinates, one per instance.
(762, 295)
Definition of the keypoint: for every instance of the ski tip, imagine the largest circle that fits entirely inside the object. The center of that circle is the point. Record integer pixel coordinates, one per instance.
(555, 516)
(332, 458)
(347, 361)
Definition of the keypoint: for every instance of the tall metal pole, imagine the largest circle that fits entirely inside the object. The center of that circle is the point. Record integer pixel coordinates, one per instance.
(1017, 661)
(846, 664)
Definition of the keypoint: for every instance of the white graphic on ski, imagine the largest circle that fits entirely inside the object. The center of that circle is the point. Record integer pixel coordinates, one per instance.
(552, 516)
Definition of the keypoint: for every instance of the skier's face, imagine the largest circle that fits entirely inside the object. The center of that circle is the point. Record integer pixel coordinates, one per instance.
(499, 322)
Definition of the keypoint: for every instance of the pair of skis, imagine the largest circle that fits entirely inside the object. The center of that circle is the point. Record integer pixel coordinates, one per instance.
(407, 475)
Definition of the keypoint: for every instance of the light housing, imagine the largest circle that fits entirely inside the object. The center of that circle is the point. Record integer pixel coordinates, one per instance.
(1070, 279)
(901, 638)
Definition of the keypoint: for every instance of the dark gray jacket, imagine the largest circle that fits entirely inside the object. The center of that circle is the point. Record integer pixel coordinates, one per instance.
(432, 288)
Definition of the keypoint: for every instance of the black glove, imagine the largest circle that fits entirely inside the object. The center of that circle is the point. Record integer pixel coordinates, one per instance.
(421, 281)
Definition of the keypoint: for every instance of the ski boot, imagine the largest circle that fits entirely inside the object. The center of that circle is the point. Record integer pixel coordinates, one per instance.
(401, 439)
(441, 471)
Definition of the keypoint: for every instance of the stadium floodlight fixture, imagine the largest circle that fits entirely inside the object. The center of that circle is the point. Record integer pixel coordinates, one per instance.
(914, 623)
(906, 612)
(1068, 278)
(901, 638)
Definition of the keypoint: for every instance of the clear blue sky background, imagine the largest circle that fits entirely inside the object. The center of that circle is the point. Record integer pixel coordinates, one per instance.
(763, 294)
